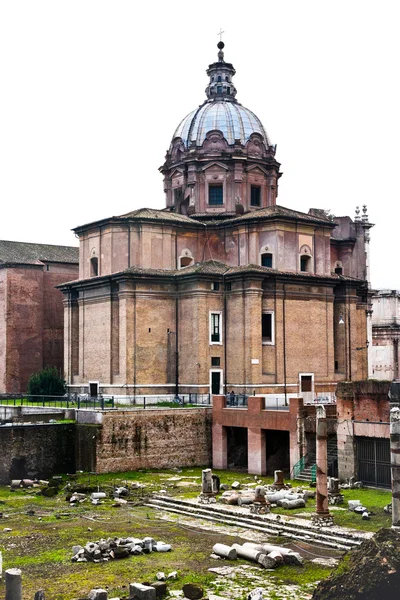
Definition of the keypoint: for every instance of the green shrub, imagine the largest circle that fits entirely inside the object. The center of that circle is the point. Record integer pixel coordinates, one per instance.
(46, 382)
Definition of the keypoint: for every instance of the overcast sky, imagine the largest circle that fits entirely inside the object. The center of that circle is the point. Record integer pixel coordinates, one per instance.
(92, 91)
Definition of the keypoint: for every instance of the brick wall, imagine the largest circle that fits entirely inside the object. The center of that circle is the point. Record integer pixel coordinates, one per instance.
(154, 439)
(31, 322)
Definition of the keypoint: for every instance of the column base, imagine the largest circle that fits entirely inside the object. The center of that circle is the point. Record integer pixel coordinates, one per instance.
(207, 498)
(322, 520)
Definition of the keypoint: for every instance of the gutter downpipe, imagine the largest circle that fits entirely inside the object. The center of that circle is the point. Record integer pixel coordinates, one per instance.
(176, 344)
(284, 340)
(225, 336)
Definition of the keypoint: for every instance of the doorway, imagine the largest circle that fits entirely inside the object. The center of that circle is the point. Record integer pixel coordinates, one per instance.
(306, 386)
(216, 382)
(237, 447)
(93, 389)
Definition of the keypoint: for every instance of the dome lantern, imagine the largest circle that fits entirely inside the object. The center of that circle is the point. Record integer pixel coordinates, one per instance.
(220, 74)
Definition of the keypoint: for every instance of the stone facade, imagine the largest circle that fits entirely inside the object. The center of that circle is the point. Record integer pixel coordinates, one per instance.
(31, 309)
(385, 334)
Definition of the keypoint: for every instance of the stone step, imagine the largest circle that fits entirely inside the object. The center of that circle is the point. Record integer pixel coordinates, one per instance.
(268, 524)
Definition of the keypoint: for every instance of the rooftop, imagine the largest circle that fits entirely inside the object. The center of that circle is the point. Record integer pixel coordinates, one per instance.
(26, 253)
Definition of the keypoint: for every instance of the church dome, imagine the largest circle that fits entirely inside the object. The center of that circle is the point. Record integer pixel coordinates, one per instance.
(231, 118)
(220, 111)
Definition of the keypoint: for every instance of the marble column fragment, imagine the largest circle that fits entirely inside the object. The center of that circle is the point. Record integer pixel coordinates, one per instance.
(13, 584)
(206, 482)
(322, 509)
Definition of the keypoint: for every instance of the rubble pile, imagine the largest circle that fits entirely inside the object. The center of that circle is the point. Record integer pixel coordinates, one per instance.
(104, 550)
(268, 496)
(370, 572)
(265, 555)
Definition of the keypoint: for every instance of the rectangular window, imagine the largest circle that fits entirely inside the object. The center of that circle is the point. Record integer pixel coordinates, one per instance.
(215, 361)
(266, 260)
(228, 287)
(215, 195)
(306, 383)
(215, 286)
(215, 328)
(255, 195)
(267, 328)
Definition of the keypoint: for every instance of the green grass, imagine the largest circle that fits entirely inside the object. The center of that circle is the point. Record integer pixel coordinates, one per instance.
(41, 544)
(374, 500)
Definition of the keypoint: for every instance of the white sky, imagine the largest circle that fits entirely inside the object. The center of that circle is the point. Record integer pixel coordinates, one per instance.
(92, 91)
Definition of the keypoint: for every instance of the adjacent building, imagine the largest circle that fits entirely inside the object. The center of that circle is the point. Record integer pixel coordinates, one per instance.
(31, 309)
(385, 334)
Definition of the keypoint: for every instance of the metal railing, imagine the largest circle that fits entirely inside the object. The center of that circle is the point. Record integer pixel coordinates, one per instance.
(275, 404)
(104, 402)
(301, 465)
(236, 401)
(166, 401)
(298, 468)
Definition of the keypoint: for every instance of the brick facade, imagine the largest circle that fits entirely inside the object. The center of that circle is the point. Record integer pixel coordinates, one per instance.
(31, 321)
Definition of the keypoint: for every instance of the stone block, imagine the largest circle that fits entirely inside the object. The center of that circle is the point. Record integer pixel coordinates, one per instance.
(97, 594)
(142, 592)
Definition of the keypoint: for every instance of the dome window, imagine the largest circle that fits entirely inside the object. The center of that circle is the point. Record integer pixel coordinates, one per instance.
(255, 195)
(305, 264)
(219, 89)
(228, 90)
(219, 79)
(266, 259)
(227, 78)
(215, 195)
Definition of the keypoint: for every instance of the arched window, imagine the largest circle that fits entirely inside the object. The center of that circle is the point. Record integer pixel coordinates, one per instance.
(219, 89)
(185, 261)
(305, 263)
(94, 266)
(219, 78)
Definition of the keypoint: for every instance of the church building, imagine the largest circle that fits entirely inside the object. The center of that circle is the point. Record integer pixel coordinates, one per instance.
(222, 289)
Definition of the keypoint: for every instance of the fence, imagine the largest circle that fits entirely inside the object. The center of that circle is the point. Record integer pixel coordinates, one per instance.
(104, 402)
(66, 401)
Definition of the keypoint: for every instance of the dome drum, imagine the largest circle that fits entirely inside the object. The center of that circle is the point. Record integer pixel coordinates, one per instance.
(218, 147)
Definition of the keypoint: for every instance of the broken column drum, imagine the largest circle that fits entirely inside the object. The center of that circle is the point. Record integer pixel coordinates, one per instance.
(206, 482)
(322, 511)
(279, 481)
(13, 584)
(395, 464)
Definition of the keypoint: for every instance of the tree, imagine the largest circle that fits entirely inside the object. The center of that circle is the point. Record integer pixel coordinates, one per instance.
(46, 382)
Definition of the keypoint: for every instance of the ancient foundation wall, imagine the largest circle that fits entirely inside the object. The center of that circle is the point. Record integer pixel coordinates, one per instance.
(362, 411)
(153, 439)
(29, 451)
